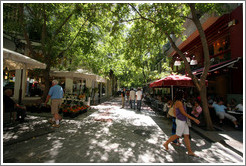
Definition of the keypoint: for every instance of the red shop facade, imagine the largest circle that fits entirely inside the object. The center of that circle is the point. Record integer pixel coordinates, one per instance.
(225, 40)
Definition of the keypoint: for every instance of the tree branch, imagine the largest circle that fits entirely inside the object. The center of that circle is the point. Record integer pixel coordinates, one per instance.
(141, 14)
(203, 41)
(44, 30)
(62, 52)
(187, 65)
(21, 21)
(130, 20)
(30, 10)
(64, 22)
(59, 29)
(186, 17)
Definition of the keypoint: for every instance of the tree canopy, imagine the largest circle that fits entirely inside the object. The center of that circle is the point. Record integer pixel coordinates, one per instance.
(124, 38)
(94, 36)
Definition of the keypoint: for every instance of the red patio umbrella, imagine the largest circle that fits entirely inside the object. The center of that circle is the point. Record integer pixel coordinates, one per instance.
(174, 80)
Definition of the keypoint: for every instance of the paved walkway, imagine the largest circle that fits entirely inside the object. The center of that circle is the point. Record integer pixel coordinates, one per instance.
(106, 134)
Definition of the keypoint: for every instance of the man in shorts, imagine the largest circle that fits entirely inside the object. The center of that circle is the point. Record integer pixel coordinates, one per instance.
(56, 95)
(220, 112)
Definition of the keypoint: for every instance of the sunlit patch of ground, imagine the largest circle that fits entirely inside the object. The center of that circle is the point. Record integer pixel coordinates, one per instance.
(131, 137)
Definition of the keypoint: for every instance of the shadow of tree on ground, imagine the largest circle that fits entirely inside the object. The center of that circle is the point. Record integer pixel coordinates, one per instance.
(130, 137)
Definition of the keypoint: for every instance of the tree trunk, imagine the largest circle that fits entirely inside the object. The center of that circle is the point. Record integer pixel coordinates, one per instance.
(206, 113)
(46, 74)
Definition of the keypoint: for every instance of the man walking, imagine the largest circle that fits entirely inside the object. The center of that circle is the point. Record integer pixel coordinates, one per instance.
(123, 94)
(132, 98)
(56, 95)
(139, 96)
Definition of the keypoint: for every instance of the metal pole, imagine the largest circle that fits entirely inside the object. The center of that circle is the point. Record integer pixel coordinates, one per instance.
(172, 91)
(20, 91)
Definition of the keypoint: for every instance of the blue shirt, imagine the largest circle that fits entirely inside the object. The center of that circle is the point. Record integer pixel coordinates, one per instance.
(56, 92)
(219, 108)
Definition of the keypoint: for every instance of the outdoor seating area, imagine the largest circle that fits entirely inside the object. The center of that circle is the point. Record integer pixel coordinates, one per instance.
(160, 91)
(155, 104)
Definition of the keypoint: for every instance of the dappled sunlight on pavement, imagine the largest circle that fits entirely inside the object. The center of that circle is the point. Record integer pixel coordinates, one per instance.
(129, 137)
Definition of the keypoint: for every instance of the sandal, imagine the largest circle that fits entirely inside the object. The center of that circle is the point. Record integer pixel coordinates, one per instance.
(55, 125)
(192, 154)
(165, 146)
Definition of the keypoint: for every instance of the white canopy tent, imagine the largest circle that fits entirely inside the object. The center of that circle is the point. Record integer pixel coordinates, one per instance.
(13, 60)
(92, 80)
(80, 73)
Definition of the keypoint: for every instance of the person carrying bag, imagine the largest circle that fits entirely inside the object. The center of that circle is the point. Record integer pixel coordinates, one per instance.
(171, 112)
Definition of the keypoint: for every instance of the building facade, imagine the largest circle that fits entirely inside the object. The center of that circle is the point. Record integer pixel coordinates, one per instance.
(225, 39)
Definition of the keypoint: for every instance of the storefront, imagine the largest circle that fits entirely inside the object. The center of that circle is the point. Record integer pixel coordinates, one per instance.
(82, 83)
(225, 79)
(15, 69)
(225, 40)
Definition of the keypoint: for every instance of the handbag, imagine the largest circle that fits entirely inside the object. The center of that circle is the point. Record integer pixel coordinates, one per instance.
(188, 122)
(171, 112)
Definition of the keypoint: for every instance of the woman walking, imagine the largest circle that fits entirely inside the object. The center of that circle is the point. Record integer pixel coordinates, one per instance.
(181, 122)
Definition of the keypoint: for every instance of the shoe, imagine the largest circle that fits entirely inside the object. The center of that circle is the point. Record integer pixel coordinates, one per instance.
(51, 121)
(55, 125)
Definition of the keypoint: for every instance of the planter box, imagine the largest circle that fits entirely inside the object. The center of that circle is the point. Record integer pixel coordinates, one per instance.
(66, 114)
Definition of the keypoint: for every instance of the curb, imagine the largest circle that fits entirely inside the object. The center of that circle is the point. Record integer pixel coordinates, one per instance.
(203, 135)
(230, 147)
(33, 135)
(222, 142)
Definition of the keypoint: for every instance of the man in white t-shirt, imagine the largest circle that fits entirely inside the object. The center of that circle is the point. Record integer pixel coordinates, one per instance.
(132, 98)
(139, 96)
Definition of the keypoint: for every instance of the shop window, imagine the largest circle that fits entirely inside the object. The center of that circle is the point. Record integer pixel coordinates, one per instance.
(220, 50)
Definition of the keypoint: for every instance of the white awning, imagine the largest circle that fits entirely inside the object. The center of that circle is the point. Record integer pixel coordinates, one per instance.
(101, 79)
(80, 73)
(13, 60)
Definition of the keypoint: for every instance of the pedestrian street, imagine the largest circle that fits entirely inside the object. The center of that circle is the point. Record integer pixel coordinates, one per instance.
(109, 134)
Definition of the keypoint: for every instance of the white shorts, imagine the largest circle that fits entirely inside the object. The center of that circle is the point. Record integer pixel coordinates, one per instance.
(182, 128)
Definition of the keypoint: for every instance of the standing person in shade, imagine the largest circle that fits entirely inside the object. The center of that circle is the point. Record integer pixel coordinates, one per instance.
(127, 95)
(56, 95)
(181, 122)
(123, 94)
(139, 96)
(132, 98)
